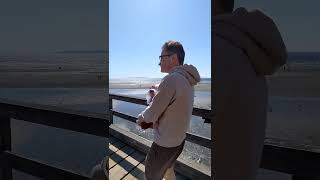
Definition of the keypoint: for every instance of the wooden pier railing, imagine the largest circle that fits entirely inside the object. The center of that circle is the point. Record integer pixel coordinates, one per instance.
(79, 121)
(300, 163)
(186, 168)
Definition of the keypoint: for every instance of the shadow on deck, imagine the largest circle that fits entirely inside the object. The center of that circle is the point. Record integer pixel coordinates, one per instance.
(126, 162)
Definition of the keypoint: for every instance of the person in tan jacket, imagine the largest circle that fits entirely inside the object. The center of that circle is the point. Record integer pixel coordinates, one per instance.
(170, 112)
(247, 46)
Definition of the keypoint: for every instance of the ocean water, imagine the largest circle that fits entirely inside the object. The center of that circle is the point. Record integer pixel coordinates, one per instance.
(304, 57)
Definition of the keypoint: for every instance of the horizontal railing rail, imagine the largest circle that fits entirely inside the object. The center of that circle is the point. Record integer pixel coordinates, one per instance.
(206, 114)
(197, 139)
(79, 121)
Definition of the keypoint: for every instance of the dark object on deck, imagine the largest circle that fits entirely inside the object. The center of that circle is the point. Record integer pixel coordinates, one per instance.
(145, 125)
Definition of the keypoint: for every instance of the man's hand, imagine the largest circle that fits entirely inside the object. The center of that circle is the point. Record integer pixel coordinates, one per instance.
(140, 121)
(155, 86)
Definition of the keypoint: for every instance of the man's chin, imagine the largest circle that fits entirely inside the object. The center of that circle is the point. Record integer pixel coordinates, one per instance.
(164, 71)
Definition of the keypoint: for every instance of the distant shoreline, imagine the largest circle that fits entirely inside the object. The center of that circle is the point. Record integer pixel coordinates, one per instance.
(200, 87)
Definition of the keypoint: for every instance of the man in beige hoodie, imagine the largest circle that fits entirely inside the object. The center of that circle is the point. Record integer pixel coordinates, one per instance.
(170, 112)
(247, 46)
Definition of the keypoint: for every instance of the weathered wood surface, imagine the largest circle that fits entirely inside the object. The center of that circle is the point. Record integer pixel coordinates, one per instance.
(5, 145)
(126, 162)
(189, 170)
(38, 168)
(290, 161)
(79, 121)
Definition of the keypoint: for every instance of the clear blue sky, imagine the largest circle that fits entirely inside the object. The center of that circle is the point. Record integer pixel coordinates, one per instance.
(138, 28)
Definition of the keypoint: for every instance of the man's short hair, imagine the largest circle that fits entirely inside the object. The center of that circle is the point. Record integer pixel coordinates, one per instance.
(175, 47)
(226, 5)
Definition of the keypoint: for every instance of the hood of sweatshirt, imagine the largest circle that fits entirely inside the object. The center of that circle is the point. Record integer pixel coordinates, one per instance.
(257, 35)
(189, 72)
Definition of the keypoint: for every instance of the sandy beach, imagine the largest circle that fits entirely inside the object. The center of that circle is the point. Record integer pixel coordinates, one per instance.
(294, 99)
(114, 84)
(69, 81)
(54, 70)
(297, 82)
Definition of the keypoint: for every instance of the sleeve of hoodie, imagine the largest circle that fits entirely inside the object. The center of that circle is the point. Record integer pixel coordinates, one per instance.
(161, 100)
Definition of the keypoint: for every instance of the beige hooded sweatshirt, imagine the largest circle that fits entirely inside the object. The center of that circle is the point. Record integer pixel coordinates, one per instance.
(247, 46)
(171, 108)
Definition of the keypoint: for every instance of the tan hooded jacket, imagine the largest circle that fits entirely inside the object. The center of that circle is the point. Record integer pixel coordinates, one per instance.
(247, 46)
(171, 108)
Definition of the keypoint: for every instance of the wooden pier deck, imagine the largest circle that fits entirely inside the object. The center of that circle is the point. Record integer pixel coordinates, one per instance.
(127, 163)
(124, 161)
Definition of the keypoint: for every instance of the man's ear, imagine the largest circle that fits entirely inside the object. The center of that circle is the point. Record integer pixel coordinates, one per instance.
(175, 59)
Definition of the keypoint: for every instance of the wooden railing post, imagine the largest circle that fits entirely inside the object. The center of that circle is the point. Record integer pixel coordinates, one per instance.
(5, 145)
(110, 108)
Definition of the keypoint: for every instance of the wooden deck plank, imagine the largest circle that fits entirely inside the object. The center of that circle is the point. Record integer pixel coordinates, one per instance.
(182, 166)
(121, 154)
(128, 164)
(113, 148)
(140, 176)
(137, 172)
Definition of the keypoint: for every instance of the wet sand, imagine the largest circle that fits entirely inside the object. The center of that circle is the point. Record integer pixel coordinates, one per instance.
(295, 84)
(294, 98)
(131, 85)
(53, 70)
(53, 80)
